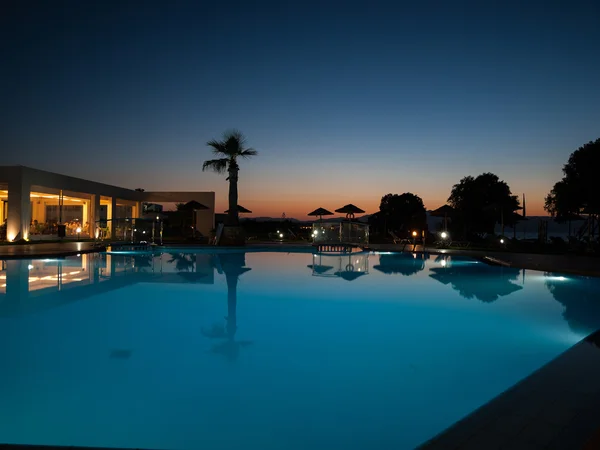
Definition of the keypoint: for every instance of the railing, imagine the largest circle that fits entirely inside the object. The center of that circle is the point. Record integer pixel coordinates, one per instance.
(129, 230)
(347, 232)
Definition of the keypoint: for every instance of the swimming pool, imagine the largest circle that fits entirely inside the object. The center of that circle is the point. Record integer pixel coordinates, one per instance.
(193, 349)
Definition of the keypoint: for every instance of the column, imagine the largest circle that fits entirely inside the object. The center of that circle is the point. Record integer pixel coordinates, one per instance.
(94, 216)
(17, 284)
(136, 210)
(111, 214)
(19, 210)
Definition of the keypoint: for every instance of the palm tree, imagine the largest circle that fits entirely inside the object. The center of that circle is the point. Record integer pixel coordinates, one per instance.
(229, 150)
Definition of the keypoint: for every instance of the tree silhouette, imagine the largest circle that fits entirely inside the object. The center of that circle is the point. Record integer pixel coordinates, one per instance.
(183, 262)
(478, 280)
(400, 213)
(233, 265)
(579, 296)
(577, 192)
(400, 263)
(481, 202)
(229, 150)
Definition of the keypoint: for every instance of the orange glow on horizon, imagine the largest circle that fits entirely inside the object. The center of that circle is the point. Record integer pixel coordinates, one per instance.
(300, 208)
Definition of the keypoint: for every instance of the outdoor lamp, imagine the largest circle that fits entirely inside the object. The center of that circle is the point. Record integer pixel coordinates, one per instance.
(502, 241)
(414, 233)
(444, 235)
(280, 235)
(78, 230)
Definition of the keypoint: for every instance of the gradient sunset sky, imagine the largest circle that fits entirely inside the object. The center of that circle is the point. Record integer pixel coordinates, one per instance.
(344, 101)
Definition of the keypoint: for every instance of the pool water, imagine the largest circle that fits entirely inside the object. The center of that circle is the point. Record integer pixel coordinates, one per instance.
(270, 350)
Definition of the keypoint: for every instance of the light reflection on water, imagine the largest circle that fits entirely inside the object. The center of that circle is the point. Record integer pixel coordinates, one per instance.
(270, 350)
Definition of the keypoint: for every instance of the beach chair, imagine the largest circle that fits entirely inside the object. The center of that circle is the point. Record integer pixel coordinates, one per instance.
(398, 240)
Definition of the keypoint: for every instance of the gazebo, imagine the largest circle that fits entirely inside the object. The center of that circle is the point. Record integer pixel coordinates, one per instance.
(349, 266)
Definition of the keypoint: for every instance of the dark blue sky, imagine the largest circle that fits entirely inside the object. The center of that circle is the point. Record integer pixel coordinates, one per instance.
(344, 102)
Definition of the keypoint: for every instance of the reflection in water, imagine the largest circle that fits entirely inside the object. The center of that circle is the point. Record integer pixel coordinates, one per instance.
(474, 279)
(29, 286)
(349, 266)
(183, 262)
(233, 265)
(135, 348)
(401, 263)
(580, 299)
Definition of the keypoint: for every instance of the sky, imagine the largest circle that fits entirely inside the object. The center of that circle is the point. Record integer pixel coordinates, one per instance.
(344, 101)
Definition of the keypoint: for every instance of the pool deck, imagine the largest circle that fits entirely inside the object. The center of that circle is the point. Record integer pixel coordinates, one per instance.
(556, 407)
(571, 264)
(42, 250)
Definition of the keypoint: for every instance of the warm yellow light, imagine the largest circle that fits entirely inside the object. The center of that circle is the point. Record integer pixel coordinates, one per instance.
(78, 230)
(414, 233)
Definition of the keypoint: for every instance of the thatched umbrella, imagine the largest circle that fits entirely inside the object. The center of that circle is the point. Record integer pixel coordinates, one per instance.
(194, 206)
(320, 212)
(443, 211)
(349, 210)
(349, 276)
(241, 210)
(319, 269)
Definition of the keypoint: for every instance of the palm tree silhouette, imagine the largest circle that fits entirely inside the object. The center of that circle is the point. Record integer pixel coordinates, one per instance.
(183, 262)
(233, 267)
(229, 150)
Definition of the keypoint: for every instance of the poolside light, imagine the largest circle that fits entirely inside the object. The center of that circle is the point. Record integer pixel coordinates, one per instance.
(443, 262)
(144, 232)
(29, 267)
(502, 241)
(281, 235)
(157, 218)
(315, 233)
(444, 235)
(135, 229)
(78, 230)
(414, 233)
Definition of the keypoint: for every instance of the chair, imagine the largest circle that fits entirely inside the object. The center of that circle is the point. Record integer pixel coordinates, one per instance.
(398, 240)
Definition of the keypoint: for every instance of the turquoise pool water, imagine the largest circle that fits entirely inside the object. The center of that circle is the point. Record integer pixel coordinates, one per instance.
(270, 350)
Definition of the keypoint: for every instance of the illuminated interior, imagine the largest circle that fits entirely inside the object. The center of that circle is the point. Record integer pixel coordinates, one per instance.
(47, 212)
